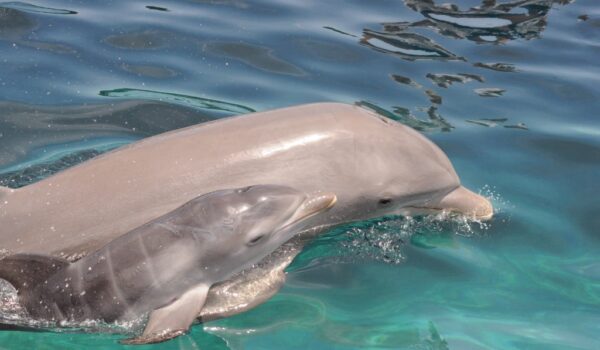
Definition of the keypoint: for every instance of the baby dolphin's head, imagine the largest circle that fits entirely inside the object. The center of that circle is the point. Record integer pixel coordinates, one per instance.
(241, 226)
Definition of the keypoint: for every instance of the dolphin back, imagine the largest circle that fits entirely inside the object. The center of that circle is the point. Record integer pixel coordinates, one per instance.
(26, 271)
(5, 191)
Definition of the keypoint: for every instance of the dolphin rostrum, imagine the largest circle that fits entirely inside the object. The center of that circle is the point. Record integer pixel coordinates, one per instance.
(166, 266)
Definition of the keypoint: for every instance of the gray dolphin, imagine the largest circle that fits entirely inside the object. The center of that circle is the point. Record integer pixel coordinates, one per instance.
(166, 266)
(374, 165)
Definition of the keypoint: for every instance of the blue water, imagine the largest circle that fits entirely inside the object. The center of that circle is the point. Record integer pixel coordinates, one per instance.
(509, 91)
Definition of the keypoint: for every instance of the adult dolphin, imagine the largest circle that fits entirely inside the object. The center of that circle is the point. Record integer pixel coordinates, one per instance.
(374, 165)
(166, 266)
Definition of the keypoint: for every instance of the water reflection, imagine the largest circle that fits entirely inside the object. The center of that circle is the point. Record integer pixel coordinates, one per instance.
(500, 67)
(490, 22)
(489, 92)
(180, 99)
(339, 31)
(23, 6)
(406, 45)
(27, 132)
(493, 122)
(445, 80)
(431, 122)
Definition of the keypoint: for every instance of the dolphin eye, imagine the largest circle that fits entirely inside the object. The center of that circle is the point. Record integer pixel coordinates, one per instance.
(256, 239)
(384, 201)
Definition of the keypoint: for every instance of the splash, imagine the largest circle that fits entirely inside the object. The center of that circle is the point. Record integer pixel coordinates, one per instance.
(12, 313)
(385, 239)
(502, 206)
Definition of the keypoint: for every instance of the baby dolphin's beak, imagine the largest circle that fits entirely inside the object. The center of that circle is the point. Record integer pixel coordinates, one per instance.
(313, 204)
(466, 202)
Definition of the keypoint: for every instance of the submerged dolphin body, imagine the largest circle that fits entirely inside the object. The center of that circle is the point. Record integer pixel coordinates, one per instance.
(166, 266)
(375, 166)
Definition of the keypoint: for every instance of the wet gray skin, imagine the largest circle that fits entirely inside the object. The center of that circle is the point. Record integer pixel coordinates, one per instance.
(166, 266)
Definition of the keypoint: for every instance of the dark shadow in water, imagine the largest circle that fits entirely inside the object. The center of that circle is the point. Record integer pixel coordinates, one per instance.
(157, 8)
(148, 39)
(491, 22)
(233, 3)
(16, 26)
(32, 129)
(253, 55)
(10, 327)
(149, 71)
(567, 151)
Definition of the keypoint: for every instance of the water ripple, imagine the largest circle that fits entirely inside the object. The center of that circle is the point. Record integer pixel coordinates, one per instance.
(179, 99)
(409, 46)
(23, 6)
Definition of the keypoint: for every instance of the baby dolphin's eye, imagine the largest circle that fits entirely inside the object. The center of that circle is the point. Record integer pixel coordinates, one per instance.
(384, 201)
(255, 240)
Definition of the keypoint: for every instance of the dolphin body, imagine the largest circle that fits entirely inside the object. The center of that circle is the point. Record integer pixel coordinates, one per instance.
(374, 165)
(166, 266)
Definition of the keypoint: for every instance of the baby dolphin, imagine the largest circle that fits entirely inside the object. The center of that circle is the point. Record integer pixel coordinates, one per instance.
(167, 265)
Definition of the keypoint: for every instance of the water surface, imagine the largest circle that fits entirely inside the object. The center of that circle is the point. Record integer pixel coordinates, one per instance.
(509, 90)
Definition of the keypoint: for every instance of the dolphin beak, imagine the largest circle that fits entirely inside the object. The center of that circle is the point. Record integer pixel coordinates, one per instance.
(466, 202)
(312, 205)
(459, 200)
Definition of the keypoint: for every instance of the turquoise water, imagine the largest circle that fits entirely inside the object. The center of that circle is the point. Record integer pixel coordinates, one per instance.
(508, 90)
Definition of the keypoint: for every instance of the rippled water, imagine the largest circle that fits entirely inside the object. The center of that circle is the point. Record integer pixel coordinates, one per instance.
(509, 89)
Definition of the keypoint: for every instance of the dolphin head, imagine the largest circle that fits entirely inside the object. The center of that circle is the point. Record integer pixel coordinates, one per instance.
(402, 172)
(241, 226)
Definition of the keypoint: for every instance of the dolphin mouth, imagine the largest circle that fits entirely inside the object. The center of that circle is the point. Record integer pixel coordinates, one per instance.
(312, 205)
(462, 201)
